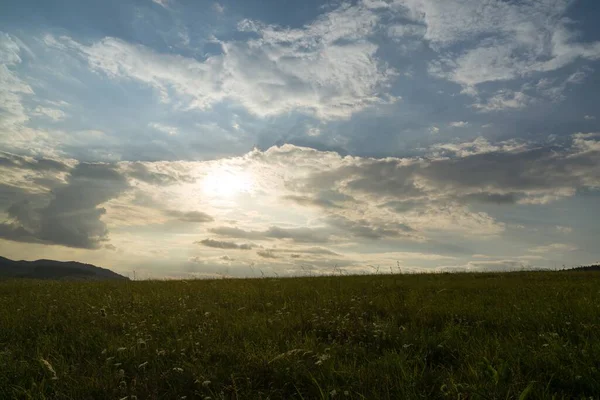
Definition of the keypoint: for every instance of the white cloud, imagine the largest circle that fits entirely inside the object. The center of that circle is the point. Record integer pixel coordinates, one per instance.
(589, 118)
(564, 229)
(52, 113)
(328, 68)
(169, 130)
(478, 146)
(554, 248)
(505, 99)
(162, 3)
(434, 129)
(219, 8)
(458, 124)
(501, 40)
(12, 88)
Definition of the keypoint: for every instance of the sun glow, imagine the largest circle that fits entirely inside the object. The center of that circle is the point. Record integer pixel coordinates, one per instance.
(225, 183)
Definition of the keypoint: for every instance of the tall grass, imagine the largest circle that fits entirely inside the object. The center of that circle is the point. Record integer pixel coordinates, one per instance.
(470, 336)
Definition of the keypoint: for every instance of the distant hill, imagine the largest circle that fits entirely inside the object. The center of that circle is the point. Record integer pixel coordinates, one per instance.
(56, 270)
(595, 267)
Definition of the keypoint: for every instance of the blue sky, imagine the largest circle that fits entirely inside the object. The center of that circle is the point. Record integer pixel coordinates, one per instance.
(191, 137)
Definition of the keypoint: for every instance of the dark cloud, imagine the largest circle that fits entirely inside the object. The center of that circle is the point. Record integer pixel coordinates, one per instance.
(158, 176)
(190, 216)
(498, 176)
(368, 229)
(44, 164)
(300, 235)
(493, 198)
(218, 244)
(72, 216)
(266, 254)
(307, 250)
(310, 201)
(326, 199)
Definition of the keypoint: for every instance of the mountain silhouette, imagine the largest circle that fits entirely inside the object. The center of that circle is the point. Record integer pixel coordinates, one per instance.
(55, 270)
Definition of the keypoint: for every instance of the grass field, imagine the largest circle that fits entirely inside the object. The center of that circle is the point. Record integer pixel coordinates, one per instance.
(470, 336)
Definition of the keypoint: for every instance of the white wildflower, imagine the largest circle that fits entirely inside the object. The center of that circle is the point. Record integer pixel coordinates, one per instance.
(50, 368)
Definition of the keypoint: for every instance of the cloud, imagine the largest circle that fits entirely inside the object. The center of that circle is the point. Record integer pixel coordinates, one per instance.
(72, 216)
(497, 40)
(9, 160)
(266, 254)
(589, 118)
(300, 235)
(52, 113)
(219, 8)
(169, 130)
(505, 99)
(347, 202)
(158, 173)
(458, 124)
(328, 68)
(554, 248)
(218, 244)
(162, 3)
(190, 216)
(369, 229)
(12, 89)
(563, 229)
(495, 266)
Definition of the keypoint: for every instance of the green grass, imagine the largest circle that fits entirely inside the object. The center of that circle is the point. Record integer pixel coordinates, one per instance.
(469, 336)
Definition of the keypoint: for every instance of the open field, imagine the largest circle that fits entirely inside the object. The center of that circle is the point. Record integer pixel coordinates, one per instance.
(471, 336)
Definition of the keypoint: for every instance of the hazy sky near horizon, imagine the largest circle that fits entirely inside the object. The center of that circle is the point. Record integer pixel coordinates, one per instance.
(186, 138)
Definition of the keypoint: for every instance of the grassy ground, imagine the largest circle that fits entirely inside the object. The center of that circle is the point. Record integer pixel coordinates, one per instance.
(469, 336)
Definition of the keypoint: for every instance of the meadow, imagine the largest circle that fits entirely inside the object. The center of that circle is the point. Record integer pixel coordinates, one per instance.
(521, 335)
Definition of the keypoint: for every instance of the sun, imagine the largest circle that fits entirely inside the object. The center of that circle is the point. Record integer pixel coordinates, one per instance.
(226, 183)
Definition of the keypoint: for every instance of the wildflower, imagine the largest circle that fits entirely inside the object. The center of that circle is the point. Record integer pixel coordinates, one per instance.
(206, 384)
(49, 368)
(177, 369)
(333, 393)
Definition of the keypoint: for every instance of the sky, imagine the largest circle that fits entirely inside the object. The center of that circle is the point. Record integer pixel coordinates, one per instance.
(191, 139)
